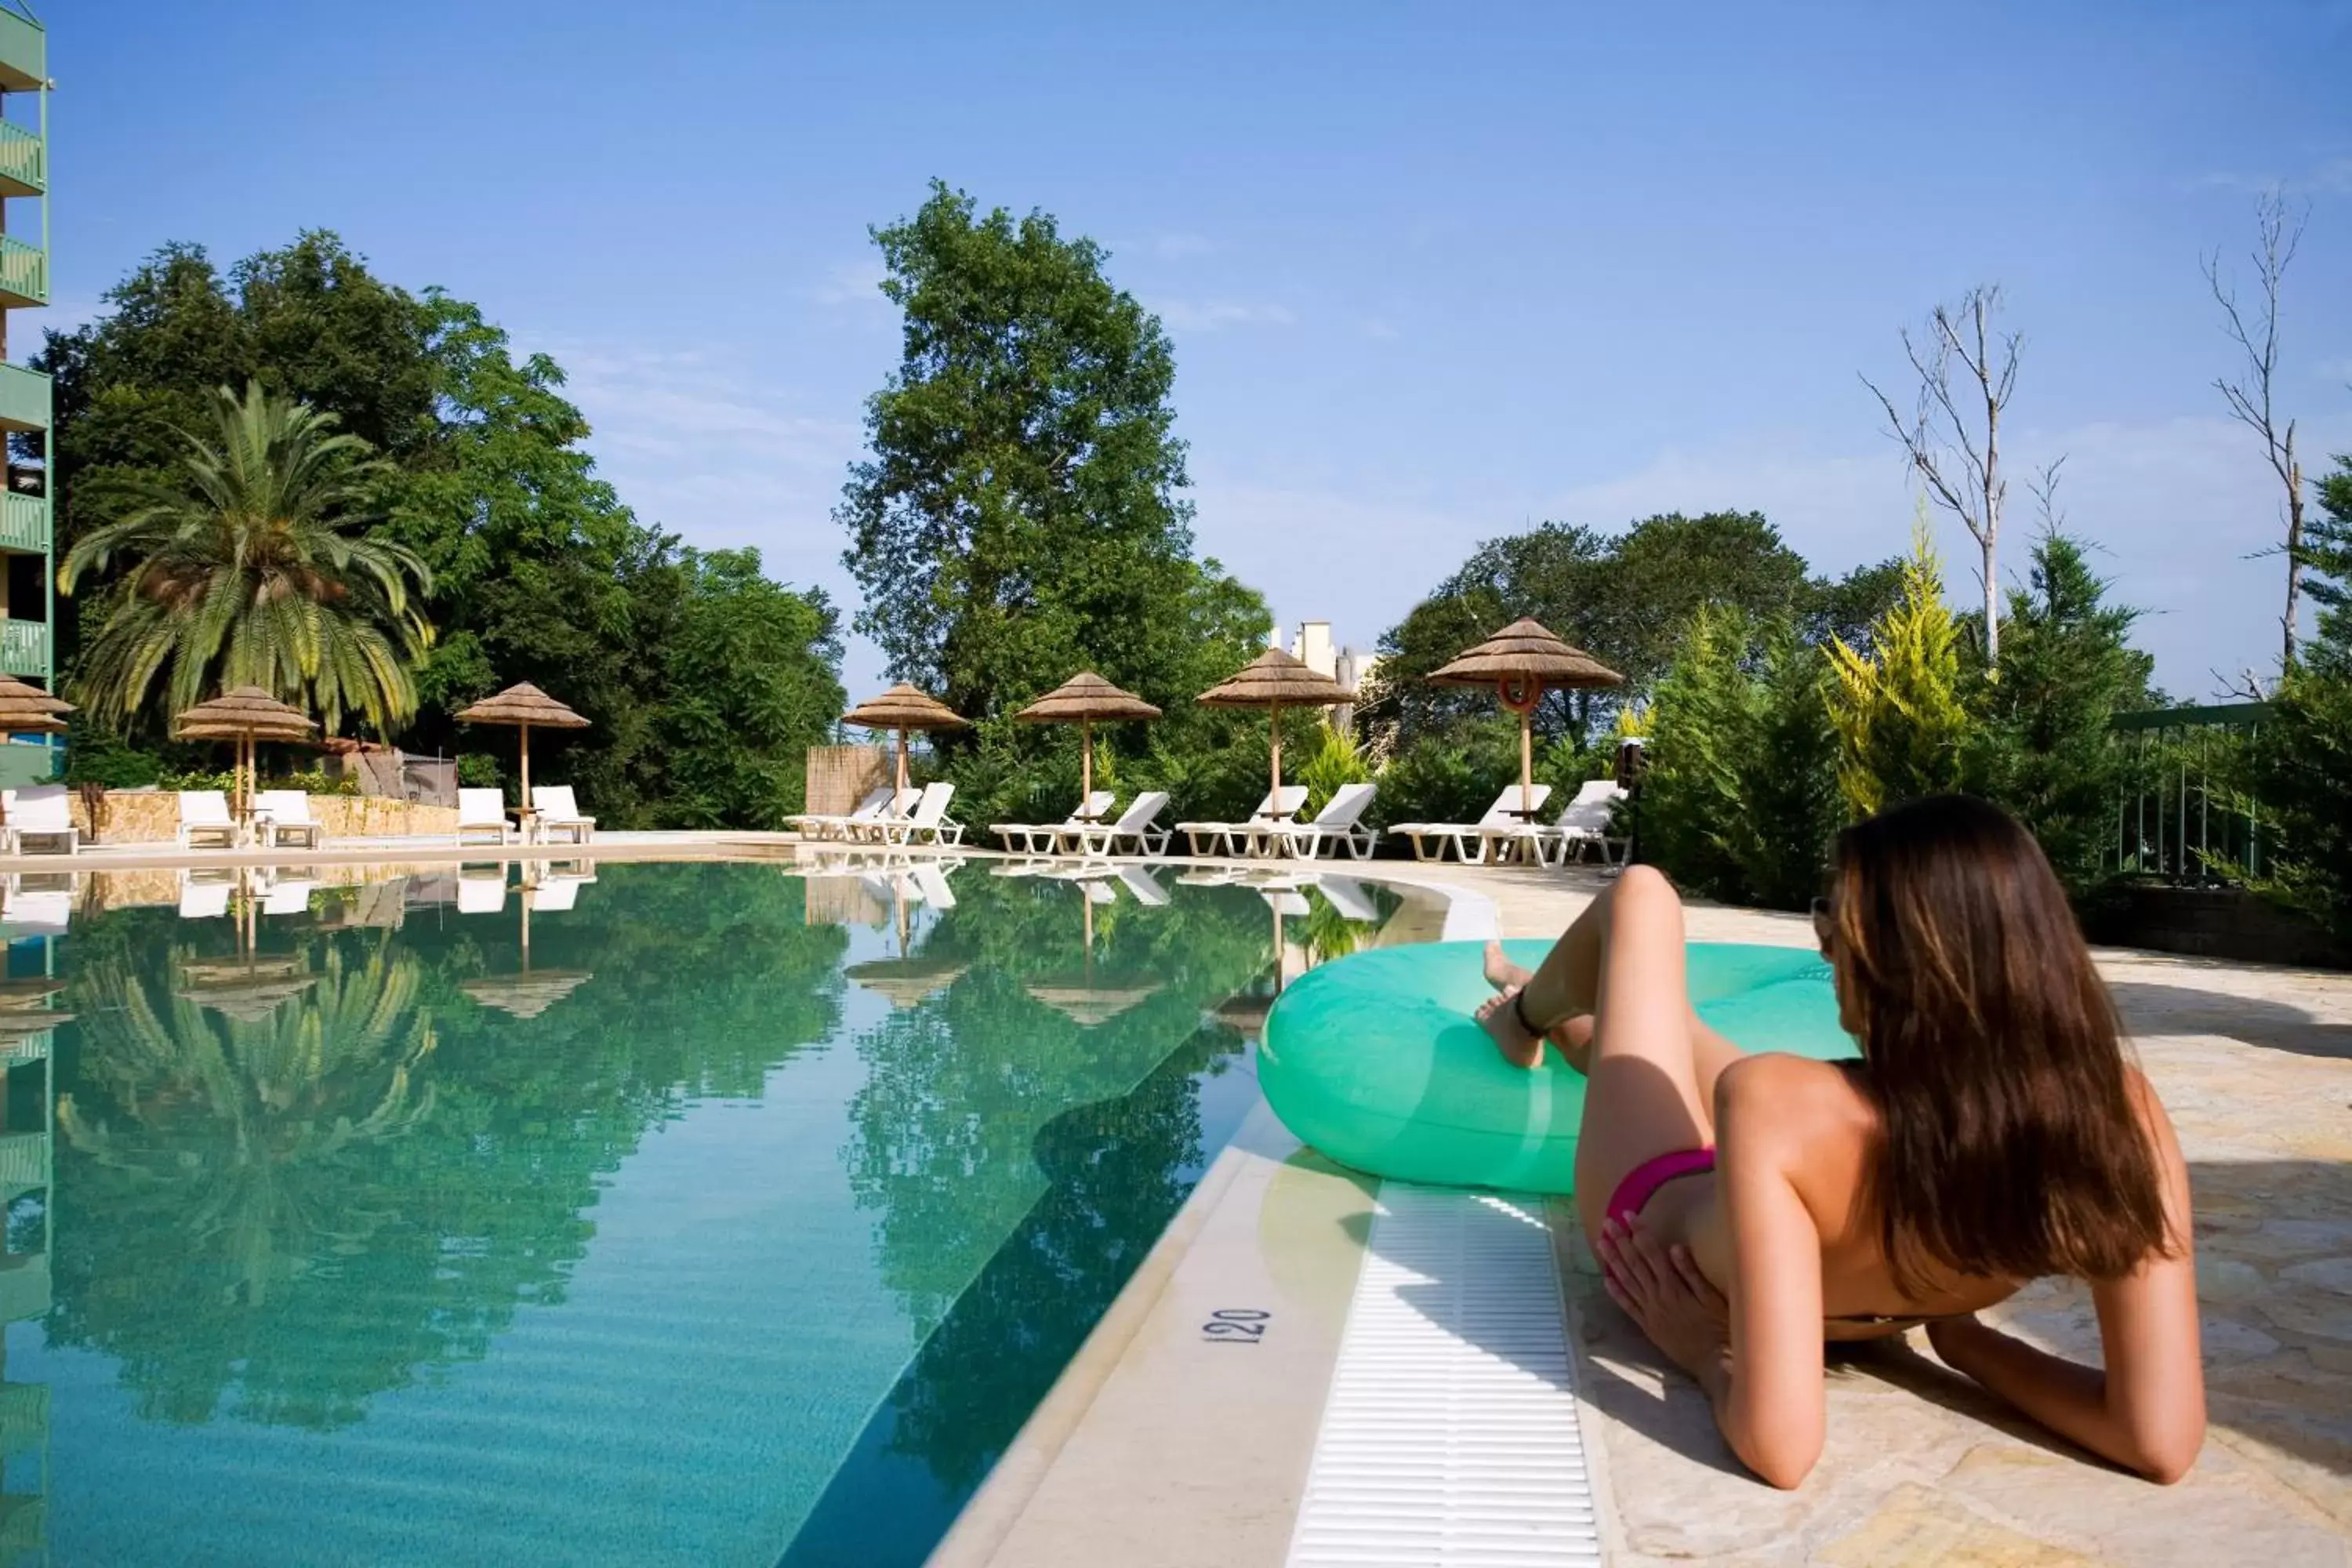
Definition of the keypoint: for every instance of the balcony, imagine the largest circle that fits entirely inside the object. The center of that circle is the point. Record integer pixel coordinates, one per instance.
(24, 51)
(24, 524)
(24, 161)
(23, 271)
(24, 647)
(24, 398)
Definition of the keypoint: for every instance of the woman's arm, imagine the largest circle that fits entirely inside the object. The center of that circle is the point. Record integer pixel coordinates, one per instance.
(1768, 1393)
(2146, 1410)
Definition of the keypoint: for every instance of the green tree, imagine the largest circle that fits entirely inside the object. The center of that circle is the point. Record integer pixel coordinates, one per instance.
(750, 665)
(253, 569)
(539, 573)
(1018, 517)
(1625, 599)
(1900, 708)
(2047, 750)
(2328, 561)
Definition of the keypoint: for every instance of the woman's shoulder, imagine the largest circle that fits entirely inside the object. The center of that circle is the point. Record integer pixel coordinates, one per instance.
(1775, 1098)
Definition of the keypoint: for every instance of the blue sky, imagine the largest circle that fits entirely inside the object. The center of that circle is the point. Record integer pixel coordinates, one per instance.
(1432, 273)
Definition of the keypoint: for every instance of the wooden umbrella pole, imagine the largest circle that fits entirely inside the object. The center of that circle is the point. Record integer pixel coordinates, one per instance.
(1526, 767)
(902, 758)
(1273, 791)
(1085, 762)
(525, 803)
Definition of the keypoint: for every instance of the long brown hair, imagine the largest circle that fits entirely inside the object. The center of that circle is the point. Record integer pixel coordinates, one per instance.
(2011, 1147)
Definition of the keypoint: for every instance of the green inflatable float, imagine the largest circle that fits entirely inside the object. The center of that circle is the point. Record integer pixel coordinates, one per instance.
(1377, 1061)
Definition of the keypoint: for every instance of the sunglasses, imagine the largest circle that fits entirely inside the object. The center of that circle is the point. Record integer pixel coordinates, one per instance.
(1824, 924)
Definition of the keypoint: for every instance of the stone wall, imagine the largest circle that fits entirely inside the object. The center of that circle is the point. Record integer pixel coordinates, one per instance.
(2212, 922)
(152, 816)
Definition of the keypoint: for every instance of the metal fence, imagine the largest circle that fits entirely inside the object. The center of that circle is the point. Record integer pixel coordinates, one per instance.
(2185, 817)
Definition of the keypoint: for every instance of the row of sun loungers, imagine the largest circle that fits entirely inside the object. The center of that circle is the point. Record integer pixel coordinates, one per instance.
(889, 816)
(1508, 829)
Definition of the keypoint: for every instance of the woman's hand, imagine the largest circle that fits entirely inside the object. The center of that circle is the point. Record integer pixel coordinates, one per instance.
(1660, 1289)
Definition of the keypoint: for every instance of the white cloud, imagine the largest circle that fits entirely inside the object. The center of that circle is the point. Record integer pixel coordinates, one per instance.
(1216, 315)
(1380, 332)
(2332, 177)
(852, 284)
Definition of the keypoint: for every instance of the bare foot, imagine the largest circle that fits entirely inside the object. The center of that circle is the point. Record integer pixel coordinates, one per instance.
(1573, 1036)
(1501, 973)
(1499, 1016)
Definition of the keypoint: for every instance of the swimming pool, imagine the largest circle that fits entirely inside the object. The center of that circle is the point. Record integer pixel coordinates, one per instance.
(695, 1213)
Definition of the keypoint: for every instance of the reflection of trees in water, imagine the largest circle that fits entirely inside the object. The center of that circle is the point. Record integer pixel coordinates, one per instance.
(960, 1088)
(299, 1211)
(1117, 1171)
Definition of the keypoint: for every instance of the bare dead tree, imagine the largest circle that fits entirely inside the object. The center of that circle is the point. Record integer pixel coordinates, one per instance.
(2248, 398)
(1952, 440)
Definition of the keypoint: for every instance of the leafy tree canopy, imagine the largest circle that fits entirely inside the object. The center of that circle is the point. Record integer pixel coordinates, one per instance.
(538, 572)
(1626, 599)
(2327, 563)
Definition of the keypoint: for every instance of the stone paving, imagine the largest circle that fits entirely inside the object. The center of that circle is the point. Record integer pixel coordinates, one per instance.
(2255, 1067)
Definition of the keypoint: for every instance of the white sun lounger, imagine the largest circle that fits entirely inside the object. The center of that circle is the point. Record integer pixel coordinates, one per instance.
(288, 896)
(929, 820)
(1039, 837)
(829, 825)
(204, 898)
(1430, 840)
(876, 828)
(1338, 826)
(204, 814)
(43, 812)
(480, 812)
(1349, 898)
(46, 910)
(1143, 887)
(285, 814)
(1137, 827)
(559, 813)
(481, 890)
(1275, 811)
(1586, 822)
(932, 883)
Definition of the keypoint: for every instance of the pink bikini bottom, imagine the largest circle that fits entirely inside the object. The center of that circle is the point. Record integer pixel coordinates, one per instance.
(1649, 1175)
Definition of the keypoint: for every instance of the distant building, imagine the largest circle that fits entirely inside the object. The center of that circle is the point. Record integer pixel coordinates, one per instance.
(1311, 646)
(26, 575)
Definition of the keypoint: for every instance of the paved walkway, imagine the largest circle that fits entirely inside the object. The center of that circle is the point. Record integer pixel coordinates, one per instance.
(2256, 1065)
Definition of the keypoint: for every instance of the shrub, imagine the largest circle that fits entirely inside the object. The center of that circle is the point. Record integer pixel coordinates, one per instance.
(1901, 718)
(1450, 774)
(1329, 760)
(2301, 769)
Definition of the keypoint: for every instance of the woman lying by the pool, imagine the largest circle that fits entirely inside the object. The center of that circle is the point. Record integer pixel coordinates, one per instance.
(1744, 1207)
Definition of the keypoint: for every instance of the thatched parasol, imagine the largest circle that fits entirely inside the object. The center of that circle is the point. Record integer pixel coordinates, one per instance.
(248, 990)
(1521, 662)
(523, 705)
(246, 715)
(1086, 1005)
(1273, 681)
(1086, 700)
(905, 981)
(902, 707)
(524, 996)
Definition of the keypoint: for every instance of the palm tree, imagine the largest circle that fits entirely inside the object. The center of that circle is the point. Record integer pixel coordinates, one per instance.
(252, 566)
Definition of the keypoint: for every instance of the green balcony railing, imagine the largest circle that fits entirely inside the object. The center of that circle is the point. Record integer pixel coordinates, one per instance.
(24, 158)
(24, 523)
(23, 271)
(23, 1160)
(25, 648)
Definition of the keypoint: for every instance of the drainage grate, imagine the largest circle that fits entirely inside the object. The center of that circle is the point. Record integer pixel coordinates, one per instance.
(1451, 1436)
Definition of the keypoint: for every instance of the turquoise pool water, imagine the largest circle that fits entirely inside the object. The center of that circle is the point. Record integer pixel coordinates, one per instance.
(738, 1218)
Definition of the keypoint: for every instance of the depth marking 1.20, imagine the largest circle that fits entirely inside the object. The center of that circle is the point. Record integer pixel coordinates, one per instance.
(1235, 1325)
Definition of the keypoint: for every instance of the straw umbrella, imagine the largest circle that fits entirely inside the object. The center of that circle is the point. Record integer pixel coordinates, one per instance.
(1086, 700)
(1521, 662)
(902, 707)
(523, 705)
(27, 710)
(246, 715)
(1273, 681)
(531, 992)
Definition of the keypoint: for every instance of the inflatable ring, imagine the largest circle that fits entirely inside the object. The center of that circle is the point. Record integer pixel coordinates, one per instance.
(1376, 1061)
